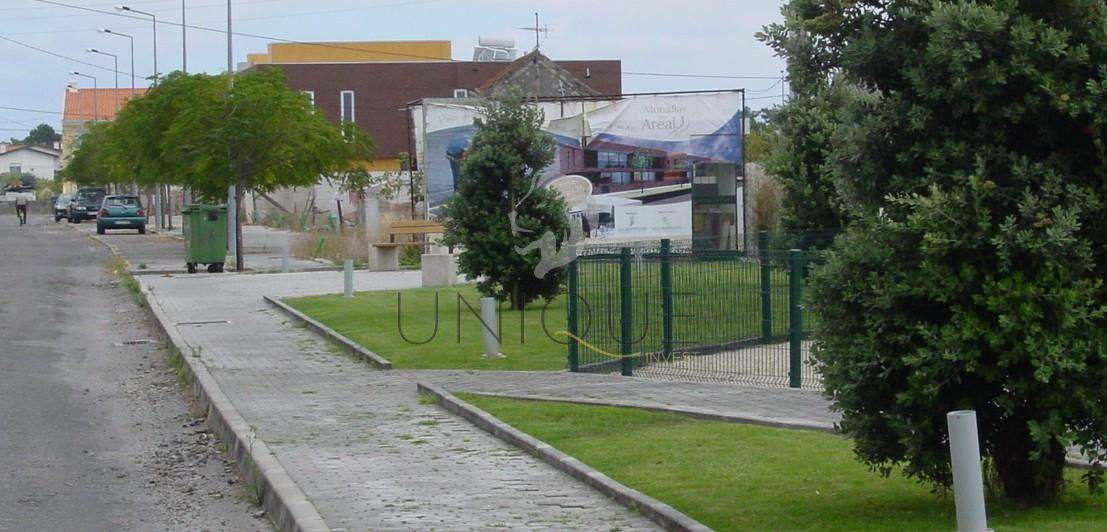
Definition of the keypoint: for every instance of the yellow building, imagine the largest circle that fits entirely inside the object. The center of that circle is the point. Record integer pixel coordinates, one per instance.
(353, 52)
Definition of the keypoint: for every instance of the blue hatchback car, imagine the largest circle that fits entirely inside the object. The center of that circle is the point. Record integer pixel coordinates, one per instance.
(121, 212)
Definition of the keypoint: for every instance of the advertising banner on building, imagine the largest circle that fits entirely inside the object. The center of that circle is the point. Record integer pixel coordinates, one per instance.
(618, 144)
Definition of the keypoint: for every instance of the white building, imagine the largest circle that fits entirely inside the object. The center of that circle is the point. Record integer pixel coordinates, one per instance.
(39, 161)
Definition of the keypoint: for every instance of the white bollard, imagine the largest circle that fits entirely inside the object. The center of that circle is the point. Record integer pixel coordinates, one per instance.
(488, 316)
(348, 270)
(968, 482)
(286, 256)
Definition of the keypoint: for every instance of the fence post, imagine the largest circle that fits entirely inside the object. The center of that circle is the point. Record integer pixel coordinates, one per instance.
(766, 287)
(795, 318)
(666, 300)
(626, 313)
(574, 291)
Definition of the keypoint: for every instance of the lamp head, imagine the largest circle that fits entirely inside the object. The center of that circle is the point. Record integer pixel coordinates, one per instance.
(122, 8)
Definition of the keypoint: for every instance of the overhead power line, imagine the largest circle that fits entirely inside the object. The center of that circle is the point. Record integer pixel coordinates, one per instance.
(335, 46)
(244, 34)
(61, 56)
(44, 111)
(704, 76)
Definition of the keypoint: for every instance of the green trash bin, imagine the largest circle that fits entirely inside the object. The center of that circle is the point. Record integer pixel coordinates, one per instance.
(205, 232)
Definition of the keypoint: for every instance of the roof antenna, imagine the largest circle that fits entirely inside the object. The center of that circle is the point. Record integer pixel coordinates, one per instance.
(538, 29)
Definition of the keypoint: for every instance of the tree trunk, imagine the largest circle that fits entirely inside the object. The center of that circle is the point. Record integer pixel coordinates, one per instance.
(362, 222)
(239, 193)
(517, 302)
(1028, 482)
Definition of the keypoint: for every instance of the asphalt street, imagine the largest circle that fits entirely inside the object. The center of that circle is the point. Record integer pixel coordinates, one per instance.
(95, 433)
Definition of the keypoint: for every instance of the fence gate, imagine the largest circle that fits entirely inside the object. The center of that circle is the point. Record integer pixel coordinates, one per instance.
(684, 314)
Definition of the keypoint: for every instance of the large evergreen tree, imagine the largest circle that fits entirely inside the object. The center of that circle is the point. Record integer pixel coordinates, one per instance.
(497, 209)
(962, 142)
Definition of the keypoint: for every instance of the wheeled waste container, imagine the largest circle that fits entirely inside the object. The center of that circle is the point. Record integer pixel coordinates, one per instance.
(205, 232)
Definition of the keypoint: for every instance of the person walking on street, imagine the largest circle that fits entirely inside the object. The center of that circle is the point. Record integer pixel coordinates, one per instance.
(21, 209)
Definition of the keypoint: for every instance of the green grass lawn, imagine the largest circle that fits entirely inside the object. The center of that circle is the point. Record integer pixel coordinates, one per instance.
(714, 302)
(732, 476)
(370, 319)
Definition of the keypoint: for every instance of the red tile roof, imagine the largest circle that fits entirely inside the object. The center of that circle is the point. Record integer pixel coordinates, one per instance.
(95, 104)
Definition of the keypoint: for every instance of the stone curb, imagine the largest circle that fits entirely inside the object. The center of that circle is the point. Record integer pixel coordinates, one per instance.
(285, 503)
(662, 514)
(698, 413)
(355, 348)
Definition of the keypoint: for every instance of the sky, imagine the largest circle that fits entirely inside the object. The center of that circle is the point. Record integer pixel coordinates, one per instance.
(41, 42)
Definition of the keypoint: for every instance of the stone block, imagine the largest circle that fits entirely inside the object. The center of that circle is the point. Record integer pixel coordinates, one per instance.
(439, 269)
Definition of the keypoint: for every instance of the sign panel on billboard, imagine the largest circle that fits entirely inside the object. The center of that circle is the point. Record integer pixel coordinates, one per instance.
(635, 141)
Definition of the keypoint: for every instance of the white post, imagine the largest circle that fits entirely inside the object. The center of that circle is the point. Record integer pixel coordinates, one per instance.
(348, 271)
(968, 482)
(286, 255)
(490, 328)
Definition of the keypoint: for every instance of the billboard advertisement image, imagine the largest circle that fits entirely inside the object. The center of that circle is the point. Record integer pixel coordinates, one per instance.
(619, 144)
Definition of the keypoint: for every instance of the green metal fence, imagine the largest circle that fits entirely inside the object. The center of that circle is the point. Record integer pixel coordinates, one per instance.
(668, 312)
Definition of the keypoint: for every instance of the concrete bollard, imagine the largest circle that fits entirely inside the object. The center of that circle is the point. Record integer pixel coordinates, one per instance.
(348, 278)
(968, 481)
(286, 256)
(488, 316)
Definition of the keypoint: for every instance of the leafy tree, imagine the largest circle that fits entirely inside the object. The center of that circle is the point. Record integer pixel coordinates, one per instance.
(254, 133)
(497, 209)
(355, 176)
(91, 164)
(963, 143)
(41, 135)
(138, 149)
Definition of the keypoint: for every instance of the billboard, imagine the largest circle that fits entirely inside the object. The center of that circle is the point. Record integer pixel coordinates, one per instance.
(619, 144)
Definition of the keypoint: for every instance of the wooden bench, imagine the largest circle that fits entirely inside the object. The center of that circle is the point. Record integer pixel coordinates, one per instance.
(386, 256)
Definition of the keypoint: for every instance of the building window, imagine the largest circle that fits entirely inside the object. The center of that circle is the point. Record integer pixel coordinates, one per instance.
(461, 93)
(610, 159)
(310, 95)
(616, 178)
(15, 169)
(348, 106)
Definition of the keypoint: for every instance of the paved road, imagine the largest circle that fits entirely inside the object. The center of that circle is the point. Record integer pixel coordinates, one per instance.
(165, 253)
(94, 435)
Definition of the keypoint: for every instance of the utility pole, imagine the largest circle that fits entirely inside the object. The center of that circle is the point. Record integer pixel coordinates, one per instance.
(184, 40)
(186, 192)
(233, 244)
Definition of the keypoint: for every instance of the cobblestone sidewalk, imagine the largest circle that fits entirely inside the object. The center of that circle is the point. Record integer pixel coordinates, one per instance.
(358, 442)
(772, 406)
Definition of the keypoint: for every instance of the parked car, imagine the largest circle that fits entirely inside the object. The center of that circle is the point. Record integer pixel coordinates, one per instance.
(121, 212)
(61, 207)
(85, 204)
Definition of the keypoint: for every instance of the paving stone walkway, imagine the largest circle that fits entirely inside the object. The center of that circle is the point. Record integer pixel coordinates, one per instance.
(777, 406)
(358, 442)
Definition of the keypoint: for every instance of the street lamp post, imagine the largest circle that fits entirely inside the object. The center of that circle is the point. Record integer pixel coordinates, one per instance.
(155, 21)
(132, 39)
(95, 98)
(232, 196)
(159, 222)
(115, 59)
